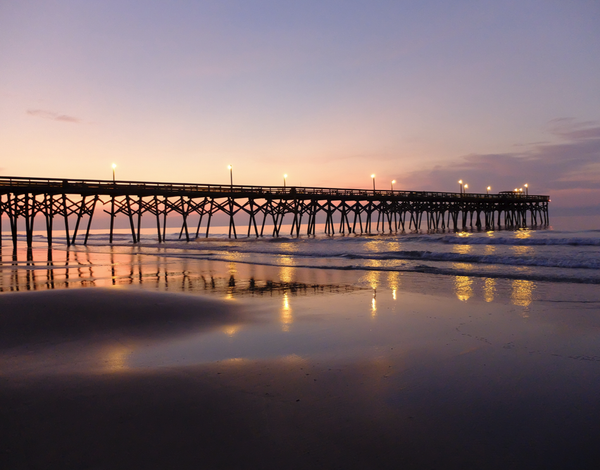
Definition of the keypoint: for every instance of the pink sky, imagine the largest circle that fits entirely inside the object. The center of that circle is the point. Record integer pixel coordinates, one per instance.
(329, 92)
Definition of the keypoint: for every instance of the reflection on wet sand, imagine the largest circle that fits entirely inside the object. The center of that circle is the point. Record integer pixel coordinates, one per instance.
(463, 284)
(77, 267)
(286, 274)
(372, 278)
(231, 330)
(489, 289)
(73, 269)
(374, 304)
(394, 282)
(522, 292)
(115, 358)
(286, 313)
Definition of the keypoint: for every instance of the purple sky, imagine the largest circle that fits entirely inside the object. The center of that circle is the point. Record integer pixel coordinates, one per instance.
(329, 92)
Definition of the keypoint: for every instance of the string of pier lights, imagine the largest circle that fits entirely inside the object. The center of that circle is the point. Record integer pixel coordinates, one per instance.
(463, 188)
(230, 168)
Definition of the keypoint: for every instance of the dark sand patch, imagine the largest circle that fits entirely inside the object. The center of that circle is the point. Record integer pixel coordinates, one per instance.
(94, 329)
(66, 315)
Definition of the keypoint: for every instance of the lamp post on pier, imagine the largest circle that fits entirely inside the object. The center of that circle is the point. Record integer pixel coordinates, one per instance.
(460, 185)
(284, 178)
(488, 189)
(373, 178)
(465, 190)
(114, 165)
(526, 189)
(230, 175)
(393, 183)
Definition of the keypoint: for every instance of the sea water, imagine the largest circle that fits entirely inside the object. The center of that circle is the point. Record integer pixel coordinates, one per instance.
(552, 254)
(536, 254)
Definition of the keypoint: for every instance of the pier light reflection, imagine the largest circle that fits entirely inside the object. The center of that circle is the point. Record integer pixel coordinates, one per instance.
(371, 278)
(232, 269)
(489, 250)
(394, 282)
(489, 290)
(229, 287)
(233, 256)
(522, 292)
(391, 246)
(375, 263)
(286, 313)
(231, 330)
(463, 287)
(286, 274)
(115, 358)
(374, 304)
(374, 246)
(289, 248)
(286, 259)
(522, 250)
(462, 249)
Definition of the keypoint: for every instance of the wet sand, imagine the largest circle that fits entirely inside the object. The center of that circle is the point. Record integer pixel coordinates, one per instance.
(130, 378)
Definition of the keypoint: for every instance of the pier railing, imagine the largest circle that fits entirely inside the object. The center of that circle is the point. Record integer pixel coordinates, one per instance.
(120, 187)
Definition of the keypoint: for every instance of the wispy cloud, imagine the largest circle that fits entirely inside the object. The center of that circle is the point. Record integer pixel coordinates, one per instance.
(42, 113)
(570, 167)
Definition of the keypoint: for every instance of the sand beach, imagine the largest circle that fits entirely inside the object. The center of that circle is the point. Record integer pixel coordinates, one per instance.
(155, 361)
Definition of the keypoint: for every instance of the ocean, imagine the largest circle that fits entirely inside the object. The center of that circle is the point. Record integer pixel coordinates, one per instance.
(552, 254)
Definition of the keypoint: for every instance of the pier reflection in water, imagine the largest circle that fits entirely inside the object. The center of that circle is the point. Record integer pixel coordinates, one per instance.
(164, 270)
(47, 269)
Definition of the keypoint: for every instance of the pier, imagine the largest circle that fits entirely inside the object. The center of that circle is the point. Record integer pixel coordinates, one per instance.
(345, 211)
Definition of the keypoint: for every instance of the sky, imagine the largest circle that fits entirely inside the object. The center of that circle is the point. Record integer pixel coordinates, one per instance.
(328, 92)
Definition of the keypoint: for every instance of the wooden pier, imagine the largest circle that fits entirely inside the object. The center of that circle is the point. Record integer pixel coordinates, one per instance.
(350, 210)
